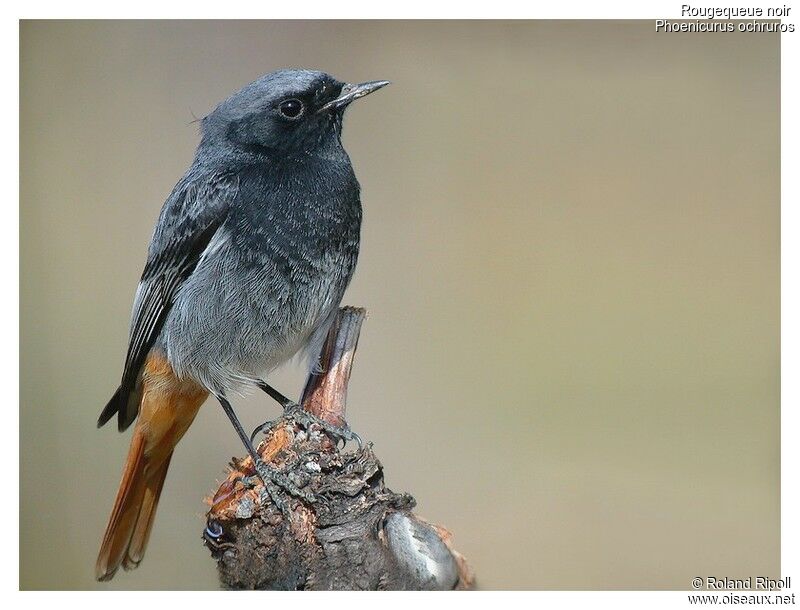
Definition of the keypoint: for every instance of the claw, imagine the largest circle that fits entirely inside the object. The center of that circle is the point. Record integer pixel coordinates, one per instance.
(265, 427)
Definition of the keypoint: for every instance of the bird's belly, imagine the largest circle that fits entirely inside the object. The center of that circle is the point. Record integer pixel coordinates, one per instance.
(233, 319)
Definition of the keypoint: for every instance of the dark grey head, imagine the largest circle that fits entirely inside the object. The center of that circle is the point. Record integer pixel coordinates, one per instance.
(285, 111)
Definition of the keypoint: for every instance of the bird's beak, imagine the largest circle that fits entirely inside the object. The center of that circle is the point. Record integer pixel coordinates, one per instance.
(352, 92)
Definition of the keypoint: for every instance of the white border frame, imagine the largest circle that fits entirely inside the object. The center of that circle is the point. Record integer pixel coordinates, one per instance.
(339, 9)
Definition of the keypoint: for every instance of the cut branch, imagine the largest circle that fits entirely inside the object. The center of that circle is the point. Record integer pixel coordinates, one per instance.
(325, 394)
(358, 534)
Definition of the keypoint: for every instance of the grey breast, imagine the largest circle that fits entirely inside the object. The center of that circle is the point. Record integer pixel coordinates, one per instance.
(268, 283)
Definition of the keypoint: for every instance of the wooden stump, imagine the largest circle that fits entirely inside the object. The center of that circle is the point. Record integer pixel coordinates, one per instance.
(357, 535)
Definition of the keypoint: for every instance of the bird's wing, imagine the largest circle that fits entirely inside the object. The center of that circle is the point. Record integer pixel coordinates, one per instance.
(191, 216)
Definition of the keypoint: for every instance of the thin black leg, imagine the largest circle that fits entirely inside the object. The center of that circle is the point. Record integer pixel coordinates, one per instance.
(237, 425)
(289, 406)
(282, 400)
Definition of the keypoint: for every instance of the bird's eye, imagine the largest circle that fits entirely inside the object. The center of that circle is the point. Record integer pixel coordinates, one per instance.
(291, 109)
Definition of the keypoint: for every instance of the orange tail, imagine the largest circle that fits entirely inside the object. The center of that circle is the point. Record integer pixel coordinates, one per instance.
(167, 410)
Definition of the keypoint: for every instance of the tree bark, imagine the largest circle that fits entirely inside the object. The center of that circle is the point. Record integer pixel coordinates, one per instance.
(356, 535)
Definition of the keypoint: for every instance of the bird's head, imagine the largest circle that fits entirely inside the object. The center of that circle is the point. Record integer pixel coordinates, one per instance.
(287, 111)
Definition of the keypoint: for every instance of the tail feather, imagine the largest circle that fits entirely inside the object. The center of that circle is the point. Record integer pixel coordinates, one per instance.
(166, 407)
(147, 513)
(125, 513)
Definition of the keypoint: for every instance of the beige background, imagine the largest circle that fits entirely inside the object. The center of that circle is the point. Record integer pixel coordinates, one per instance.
(570, 258)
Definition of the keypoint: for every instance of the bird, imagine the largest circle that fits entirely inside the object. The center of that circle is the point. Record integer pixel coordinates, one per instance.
(246, 269)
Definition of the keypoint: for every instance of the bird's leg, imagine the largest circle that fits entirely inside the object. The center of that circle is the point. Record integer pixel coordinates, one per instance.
(282, 400)
(271, 477)
(303, 417)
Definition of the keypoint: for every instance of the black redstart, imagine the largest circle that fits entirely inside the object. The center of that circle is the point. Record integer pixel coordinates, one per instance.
(247, 267)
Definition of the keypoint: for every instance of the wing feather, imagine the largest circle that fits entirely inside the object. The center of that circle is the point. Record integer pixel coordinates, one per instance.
(191, 216)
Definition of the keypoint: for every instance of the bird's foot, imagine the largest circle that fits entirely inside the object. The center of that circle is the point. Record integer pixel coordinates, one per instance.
(306, 419)
(275, 482)
(293, 410)
(264, 429)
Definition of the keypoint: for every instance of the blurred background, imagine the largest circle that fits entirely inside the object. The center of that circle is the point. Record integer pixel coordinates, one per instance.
(570, 259)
